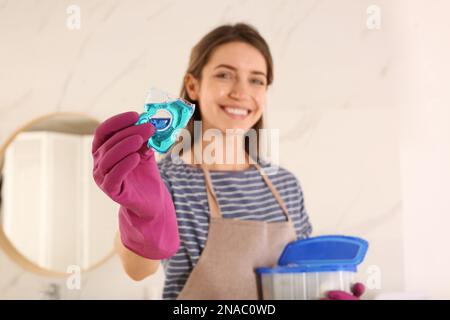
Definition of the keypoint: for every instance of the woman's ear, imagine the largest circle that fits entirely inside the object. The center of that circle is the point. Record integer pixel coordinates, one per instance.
(192, 86)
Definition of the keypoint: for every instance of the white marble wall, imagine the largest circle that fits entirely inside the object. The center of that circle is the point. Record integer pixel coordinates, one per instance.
(336, 99)
(425, 146)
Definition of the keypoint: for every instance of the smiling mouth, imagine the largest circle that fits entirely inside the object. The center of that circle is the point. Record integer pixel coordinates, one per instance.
(236, 113)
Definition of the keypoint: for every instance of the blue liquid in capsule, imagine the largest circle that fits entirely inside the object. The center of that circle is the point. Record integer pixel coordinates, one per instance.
(168, 118)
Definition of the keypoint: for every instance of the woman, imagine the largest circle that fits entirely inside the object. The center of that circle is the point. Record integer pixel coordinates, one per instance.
(210, 224)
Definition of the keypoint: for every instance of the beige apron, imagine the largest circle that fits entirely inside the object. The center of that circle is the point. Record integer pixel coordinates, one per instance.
(234, 249)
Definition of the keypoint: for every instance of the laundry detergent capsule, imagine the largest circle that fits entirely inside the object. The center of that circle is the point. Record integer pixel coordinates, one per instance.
(168, 115)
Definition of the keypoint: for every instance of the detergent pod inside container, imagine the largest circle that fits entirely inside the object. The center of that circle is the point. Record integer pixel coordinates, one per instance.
(308, 268)
(168, 114)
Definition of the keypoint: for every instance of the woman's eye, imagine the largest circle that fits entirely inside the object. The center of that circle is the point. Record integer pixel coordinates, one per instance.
(222, 75)
(258, 81)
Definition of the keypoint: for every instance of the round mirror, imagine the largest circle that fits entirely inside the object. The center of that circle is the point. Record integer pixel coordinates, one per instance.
(52, 215)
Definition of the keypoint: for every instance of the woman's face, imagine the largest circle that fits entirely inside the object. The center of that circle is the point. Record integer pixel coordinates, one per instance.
(233, 87)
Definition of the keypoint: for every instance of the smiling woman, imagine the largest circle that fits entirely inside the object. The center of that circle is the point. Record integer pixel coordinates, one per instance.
(210, 224)
(230, 70)
(232, 90)
(231, 87)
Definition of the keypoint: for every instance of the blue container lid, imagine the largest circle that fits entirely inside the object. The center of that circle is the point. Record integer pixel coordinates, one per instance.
(324, 251)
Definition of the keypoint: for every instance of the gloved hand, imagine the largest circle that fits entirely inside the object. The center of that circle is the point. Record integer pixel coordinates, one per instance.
(126, 170)
(357, 290)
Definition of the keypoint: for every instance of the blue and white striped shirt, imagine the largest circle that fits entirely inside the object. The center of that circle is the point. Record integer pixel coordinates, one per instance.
(241, 195)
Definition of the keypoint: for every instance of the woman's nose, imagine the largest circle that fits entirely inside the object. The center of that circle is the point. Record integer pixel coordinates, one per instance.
(239, 90)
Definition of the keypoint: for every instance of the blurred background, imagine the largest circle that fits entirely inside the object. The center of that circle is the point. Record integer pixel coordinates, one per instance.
(360, 98)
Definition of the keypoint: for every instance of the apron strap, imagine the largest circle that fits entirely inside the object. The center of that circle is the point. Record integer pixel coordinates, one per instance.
(274, 192)
(214, 204)
(212, 198)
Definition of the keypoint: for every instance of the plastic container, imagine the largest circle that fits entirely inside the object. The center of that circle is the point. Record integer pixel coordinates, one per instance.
(308, 268)
(168, 114)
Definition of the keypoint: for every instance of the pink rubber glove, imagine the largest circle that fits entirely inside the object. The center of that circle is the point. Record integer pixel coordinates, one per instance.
(126, 170)
(357, 290)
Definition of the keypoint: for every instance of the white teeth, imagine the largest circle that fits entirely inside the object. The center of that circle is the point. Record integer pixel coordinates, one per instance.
(236, 111)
